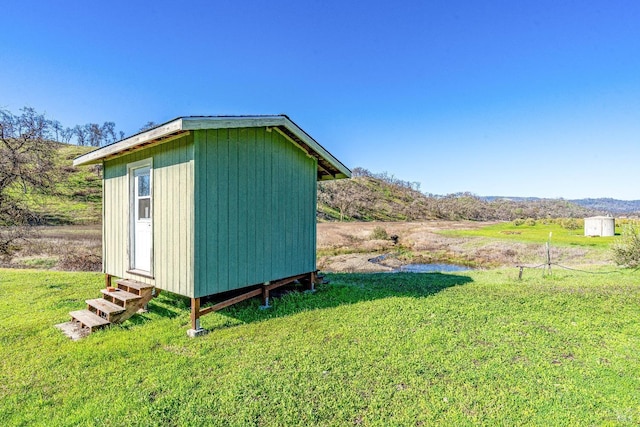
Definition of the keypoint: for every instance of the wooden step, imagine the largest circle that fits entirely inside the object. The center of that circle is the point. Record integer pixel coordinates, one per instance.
(88, 319)
(119, 296)
(133, 286)
(102, 306)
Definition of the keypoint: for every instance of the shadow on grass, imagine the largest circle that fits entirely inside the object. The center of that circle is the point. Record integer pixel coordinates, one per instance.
(343, 289)
(166, 305)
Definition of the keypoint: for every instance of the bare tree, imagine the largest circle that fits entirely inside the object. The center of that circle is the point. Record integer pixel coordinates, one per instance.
(56, 130)
(66, 135)
(148, 125)
(344, 195)
(82, 137)
(26, 153)
(94, 133)
(26, 163)
(108, 133)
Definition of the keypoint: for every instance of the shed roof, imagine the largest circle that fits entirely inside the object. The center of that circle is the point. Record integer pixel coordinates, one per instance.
(328, 166)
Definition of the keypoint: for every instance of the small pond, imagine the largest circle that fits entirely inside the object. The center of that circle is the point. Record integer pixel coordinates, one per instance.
(418, 268)
(430, 268)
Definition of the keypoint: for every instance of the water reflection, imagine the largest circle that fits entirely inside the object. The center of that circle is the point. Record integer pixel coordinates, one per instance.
(429, 268)
(417, 268)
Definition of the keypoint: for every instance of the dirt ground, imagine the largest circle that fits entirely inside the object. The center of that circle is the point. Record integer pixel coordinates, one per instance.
(348, 246)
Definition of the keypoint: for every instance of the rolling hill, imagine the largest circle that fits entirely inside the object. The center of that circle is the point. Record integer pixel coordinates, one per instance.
(77, 194)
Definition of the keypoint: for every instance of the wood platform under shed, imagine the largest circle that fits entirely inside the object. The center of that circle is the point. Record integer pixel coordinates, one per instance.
(308, 279)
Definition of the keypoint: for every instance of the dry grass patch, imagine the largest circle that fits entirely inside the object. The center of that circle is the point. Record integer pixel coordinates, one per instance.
(69, 248)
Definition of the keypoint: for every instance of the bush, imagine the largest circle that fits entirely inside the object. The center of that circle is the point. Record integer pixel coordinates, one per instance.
(80, 261)
(529, 221)
(379, 233)
(626, 251)
(571, 223)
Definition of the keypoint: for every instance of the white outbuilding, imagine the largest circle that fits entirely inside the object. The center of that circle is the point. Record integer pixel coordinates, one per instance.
(600, 226)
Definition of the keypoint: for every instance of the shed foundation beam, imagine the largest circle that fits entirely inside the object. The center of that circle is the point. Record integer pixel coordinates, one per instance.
(196, 329)
(263, 290)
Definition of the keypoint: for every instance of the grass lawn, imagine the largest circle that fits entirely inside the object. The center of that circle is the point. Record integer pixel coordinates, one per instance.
(382, 349)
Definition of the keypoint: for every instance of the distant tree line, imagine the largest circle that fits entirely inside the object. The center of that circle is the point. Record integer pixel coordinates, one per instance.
(385, 177)
(382, 197)
(88, 135)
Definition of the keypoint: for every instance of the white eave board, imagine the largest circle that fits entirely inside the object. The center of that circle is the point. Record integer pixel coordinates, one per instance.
(182, 124)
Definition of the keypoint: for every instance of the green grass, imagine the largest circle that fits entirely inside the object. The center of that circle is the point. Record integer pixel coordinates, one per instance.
(35, 262)
(380, 349)
(538, 233)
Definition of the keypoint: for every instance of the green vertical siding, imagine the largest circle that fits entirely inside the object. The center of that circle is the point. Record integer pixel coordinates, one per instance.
(172, 180)
(254, 200)
(231, 208)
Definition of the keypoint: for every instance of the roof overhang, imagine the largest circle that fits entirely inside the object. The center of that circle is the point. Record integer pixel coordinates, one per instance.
(328, 166)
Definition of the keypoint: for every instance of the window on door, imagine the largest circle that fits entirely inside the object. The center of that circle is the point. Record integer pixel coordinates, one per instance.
(141, 217)
(143, 181)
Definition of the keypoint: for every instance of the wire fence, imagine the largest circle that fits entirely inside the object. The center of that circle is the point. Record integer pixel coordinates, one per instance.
(547, 266)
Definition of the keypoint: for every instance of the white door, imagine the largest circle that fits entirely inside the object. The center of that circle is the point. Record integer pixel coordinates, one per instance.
(142, 219)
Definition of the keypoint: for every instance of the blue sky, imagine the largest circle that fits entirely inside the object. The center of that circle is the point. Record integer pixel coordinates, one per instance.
(521, 98)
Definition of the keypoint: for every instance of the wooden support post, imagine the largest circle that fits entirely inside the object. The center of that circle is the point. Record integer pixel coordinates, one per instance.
(520, 274)
(263, 290)
(265, 295)
(195, 313)
(107, 280)
(312, 281)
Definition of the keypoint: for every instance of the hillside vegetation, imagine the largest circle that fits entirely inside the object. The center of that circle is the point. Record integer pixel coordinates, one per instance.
(381, 197)
(75, 197)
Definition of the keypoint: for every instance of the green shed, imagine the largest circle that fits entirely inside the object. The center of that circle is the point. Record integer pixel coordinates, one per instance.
(203, 205)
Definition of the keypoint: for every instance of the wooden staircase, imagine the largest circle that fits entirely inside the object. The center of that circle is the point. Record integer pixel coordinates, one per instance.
(115, 306)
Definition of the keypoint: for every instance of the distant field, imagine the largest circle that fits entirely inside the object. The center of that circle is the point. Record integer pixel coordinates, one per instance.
(347, 246)
(538, 233)
(479, 348)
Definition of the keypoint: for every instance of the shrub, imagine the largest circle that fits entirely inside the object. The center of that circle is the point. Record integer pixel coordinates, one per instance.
(80, 261)
(530, 222)
(571, 223)
(379, 233)
(517, 222)
(626, 251)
